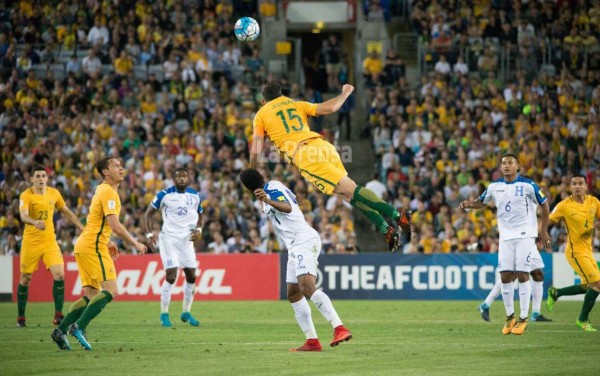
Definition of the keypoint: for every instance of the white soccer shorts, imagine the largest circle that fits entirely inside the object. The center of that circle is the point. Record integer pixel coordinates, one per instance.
(517, 255)
(302, 259)
(176, 252)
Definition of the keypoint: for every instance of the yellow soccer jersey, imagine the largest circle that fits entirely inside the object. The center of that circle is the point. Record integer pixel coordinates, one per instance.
(96, 234)
(579, 221)
(284, 121)
(41, 207)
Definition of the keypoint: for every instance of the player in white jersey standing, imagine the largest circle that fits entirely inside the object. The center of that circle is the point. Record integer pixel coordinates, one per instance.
(516, 199)
(182, 225)
(304, 245)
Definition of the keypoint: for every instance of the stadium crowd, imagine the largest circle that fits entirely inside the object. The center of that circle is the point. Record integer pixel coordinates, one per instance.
(440, 143)
(165, 83)
(161, 84)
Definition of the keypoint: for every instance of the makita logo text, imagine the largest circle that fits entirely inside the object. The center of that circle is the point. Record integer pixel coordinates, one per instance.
(149, 281)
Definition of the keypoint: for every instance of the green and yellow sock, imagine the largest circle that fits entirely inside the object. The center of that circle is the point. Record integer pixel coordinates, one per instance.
(372, 201)
(373, 216)
(94, 308)
(22, 295)
(74, 313)
(588, 304)
(58, 292)
(570, 290)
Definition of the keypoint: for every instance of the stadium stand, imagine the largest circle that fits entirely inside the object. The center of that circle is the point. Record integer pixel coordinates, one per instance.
(159, 86)
(162, 85)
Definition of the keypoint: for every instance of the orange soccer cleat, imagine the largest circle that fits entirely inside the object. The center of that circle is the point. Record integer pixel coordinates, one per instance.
(312, 344)
(340, 334)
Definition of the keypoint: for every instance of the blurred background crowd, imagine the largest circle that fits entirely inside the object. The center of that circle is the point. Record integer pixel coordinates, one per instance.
(165, 83)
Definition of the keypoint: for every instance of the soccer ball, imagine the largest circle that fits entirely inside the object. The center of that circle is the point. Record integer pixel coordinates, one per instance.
(246, 29)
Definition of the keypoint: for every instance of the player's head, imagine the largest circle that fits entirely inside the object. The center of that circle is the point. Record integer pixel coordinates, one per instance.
(252, 179)
(509, 164)
(181, 178)
(110, 169)
(579, 185)
(271, 91)
(39, 177)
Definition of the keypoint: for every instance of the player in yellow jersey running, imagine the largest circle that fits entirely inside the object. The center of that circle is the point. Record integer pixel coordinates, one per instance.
(284, 122)
(95, 253)
(578, 212)
(36, 208)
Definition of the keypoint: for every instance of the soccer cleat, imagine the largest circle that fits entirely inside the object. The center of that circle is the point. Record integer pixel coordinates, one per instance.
(552, 298)
(340, 334)
(393, 239)
(484, 309)
(187, 317)
(78, 333)
(21, 322)
(58, 318)
(404, 223)
(520, 327)
(586, 326)
(312, 344)
(165, 321)
(60, 339)
(538, 317)
(509, 324)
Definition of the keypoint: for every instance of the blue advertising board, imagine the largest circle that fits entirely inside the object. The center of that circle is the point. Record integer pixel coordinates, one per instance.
(393, 276)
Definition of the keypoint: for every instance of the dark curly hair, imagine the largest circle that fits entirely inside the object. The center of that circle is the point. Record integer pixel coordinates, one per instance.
(252, 179)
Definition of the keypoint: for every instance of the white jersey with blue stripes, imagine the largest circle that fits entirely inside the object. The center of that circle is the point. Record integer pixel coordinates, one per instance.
(180, 210)
(516, 204)
(290, 227)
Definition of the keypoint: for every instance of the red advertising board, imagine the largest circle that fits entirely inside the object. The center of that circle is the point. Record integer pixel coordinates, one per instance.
(219, 277)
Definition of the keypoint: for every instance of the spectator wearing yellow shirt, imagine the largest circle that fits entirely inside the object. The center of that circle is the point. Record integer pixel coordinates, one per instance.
(372, 67)
(267, 8)
(148, 104)
(123, 64)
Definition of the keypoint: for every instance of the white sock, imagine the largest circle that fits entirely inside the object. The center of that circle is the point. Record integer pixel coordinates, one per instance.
(508, 297)
(165, 297)
(494, 293)
(524, 298)
(188, 296)
(324, 306)
(537, 293)
(304, 318)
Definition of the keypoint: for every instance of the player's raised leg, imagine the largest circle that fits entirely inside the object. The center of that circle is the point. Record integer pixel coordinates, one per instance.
(555, 293)
(348, 189)
(484, 308)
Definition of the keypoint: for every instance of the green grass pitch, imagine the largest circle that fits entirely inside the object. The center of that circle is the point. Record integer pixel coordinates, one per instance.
(253, 338)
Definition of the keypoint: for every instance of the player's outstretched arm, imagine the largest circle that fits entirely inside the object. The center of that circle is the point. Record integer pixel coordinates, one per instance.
(334, 104)
(257, 147)
(71, 217)
(122, 233)
(471, 204)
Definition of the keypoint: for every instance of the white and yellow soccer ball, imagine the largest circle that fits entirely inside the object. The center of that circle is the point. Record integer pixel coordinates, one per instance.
(246, 29)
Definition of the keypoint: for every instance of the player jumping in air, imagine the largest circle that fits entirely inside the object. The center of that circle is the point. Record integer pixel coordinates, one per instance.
(284, 122)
